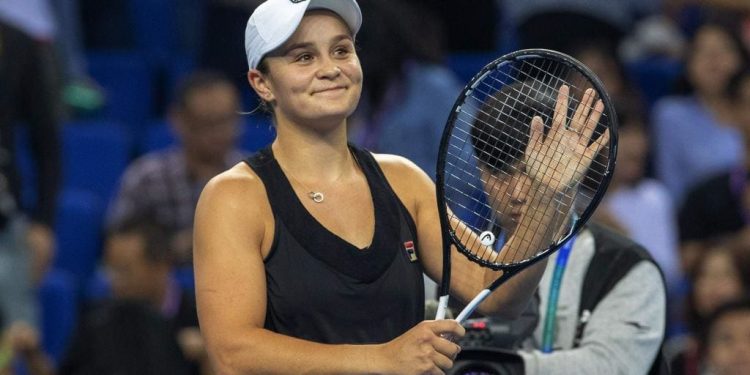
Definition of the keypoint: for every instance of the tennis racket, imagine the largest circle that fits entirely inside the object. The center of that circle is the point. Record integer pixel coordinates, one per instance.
(526, 155)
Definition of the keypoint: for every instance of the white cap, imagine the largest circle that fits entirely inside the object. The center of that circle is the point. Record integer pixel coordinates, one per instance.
(274, 21)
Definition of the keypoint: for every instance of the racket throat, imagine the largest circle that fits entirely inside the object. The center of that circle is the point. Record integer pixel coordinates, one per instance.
(472, 306)
(481, 296)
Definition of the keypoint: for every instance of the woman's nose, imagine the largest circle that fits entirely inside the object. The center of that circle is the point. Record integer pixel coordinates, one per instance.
(329, 69)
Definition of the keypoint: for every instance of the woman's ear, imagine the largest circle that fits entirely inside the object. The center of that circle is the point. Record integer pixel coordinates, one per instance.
(258, 81)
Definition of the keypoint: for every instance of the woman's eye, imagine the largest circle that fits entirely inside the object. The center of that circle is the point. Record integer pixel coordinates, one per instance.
(341, 51)
(304, 57)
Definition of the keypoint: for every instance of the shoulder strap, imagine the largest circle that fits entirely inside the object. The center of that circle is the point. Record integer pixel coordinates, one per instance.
(367, 160)
(614, 256)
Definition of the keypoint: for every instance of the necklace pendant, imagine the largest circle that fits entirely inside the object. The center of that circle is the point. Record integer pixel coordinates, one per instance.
(316, 196)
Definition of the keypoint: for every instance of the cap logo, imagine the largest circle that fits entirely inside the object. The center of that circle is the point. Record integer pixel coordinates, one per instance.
(297, 1)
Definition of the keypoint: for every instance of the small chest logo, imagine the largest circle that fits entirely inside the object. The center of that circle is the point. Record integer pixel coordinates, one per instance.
(410, 250)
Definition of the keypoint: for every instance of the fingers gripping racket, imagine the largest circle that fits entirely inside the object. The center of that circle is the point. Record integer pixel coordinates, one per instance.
(526, 155)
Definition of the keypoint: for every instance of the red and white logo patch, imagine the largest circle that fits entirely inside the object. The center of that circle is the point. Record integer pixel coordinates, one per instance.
(410, 250)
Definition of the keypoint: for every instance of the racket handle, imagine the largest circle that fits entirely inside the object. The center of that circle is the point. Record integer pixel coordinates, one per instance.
(442, 307)
(469, 309)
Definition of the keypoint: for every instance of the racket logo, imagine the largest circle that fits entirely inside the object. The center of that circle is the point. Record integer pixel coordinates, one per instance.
(411, 252)
(487, 238)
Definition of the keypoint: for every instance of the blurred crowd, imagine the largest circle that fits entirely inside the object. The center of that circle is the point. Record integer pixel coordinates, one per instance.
(114, 115)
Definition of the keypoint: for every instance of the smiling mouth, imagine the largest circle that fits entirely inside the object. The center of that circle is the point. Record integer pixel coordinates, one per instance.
(330, 89)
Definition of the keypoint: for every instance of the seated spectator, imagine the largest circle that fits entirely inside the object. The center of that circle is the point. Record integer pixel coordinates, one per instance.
(150, 326)
(28, 95)
(694, 134)
(167, 183)
(727, 339)
(721, 274)
(719, 205)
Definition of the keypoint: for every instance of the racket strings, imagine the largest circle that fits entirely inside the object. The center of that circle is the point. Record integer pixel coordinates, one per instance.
(511, 92)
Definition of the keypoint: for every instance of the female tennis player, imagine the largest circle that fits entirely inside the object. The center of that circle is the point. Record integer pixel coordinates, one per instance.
(309, 256)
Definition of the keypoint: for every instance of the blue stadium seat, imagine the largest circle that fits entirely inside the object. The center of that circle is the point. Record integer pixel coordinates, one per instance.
(154, 28)
(185, 277)
(78, 229)
(95, 153)
(258, 132)
(157, 135)
(128, 83)
(59, 311)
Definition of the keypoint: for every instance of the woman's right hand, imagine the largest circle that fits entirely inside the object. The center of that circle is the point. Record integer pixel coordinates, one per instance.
(424, 349)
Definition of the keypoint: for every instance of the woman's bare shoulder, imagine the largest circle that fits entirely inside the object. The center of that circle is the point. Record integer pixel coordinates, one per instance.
(409, 181)
(240, 178)
(397, 165)
(236, 188)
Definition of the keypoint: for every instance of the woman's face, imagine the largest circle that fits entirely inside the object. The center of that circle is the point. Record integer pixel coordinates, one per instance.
(315, 76)
(729, 344)
(718, 281)
(713, 61)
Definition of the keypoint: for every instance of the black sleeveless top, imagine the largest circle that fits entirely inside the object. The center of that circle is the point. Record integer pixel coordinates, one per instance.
(322, 288)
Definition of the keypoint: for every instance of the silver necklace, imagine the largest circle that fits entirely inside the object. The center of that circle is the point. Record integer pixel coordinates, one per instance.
(315, 196)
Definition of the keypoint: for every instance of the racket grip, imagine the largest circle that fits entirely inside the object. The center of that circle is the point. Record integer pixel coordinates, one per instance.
(469, 309)
(442, 307)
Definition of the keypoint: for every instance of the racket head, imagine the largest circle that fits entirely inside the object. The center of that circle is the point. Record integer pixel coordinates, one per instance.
(482, 162)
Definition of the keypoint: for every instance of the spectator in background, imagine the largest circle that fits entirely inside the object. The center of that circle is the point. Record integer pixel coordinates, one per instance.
(167, 183)
(720, 205)
(721, 274)
(727, 339)
(694, 133)
(29, 94)
(151, 325)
